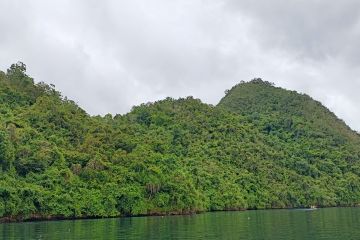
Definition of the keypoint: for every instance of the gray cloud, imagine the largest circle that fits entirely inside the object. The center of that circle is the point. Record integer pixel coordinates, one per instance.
(316, 29)
(111, 55)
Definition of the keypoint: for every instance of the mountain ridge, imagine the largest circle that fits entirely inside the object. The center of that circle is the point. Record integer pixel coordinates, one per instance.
(260, 147)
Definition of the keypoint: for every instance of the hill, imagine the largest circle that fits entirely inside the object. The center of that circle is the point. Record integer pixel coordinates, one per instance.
(282, 109)
(261, 147)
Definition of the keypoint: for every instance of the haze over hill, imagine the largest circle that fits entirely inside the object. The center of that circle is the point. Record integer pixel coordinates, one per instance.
(261, 147)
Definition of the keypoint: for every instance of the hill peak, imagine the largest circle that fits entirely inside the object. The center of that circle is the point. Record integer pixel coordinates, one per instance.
(263, 102)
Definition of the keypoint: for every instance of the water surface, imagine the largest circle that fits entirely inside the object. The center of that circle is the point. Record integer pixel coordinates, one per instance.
(330, 223)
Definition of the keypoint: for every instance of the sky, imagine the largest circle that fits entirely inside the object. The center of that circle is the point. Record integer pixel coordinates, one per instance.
(111, 55)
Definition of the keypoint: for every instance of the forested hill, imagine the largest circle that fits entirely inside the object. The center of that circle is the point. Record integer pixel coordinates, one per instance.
(261, 101)
(261, 147)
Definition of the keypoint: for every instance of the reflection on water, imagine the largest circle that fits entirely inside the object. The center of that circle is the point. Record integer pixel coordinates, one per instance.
(331, 223)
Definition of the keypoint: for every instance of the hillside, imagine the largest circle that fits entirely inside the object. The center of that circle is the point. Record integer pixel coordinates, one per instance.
(261, 147)
(280, 108)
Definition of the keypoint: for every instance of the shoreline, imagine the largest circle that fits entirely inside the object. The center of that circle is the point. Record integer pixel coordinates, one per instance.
(40, 218)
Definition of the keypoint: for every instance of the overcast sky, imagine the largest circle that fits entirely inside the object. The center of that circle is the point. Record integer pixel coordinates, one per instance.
(111, 55)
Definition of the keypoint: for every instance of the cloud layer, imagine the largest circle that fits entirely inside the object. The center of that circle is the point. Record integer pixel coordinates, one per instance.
(111, 55)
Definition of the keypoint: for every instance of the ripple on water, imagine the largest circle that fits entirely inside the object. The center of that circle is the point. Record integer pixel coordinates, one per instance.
(331, 223)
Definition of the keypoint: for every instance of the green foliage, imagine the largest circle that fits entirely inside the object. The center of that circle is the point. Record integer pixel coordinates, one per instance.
(6, 150)
(261, 147)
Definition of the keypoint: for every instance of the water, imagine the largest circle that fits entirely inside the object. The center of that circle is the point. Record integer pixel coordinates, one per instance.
(331, 223)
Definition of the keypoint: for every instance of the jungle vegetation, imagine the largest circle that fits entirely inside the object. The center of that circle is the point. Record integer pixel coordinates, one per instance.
(261, 147)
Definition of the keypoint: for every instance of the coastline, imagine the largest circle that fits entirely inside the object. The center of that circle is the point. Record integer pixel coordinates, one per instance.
(39, 217)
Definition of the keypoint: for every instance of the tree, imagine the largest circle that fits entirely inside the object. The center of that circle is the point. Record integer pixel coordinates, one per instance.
(6, 150)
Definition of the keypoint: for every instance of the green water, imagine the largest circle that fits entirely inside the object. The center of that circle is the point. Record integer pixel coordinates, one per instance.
(331, 223)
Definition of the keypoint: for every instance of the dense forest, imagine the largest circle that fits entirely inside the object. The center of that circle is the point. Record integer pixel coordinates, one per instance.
(260, 147)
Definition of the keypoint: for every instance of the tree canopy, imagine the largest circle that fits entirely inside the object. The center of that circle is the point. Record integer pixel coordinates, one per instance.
(260, 147)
